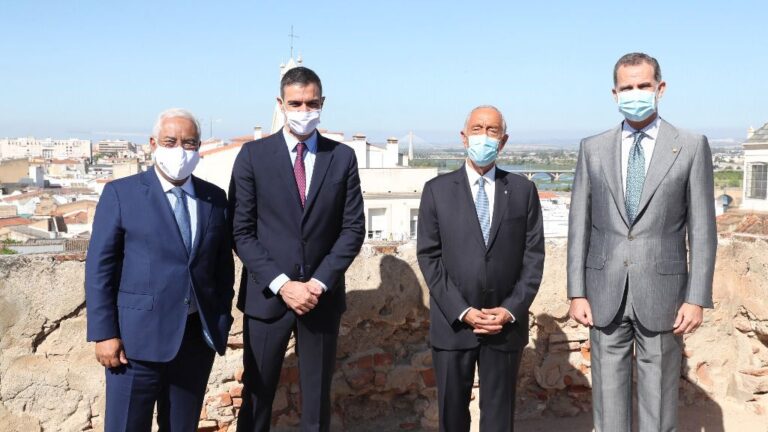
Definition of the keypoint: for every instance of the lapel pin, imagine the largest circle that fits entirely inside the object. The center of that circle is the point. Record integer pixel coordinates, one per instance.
(505, 192)
(674, 150)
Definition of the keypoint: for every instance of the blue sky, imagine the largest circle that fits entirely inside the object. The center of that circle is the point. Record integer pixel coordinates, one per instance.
(93, 68)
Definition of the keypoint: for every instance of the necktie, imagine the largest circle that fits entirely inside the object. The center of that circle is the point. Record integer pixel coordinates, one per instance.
(483, 214)
(181, 213)
(635, 176)
(300, 173)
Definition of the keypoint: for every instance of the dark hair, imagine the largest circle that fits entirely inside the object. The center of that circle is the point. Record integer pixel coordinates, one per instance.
(634, 59)
(302, 76)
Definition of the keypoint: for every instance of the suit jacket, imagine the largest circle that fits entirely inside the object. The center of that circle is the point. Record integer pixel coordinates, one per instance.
(274, 235)
(676, 214)
(138, 272)
(461, 271)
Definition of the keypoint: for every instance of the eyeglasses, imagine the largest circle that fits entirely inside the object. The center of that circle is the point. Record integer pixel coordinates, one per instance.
(186, 144)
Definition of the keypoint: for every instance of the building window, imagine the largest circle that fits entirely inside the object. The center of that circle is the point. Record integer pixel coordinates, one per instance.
(414, 222)
(377, 223)
(757, 181)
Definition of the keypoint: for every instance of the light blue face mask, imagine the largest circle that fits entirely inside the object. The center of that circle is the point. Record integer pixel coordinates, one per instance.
(637, 105)
(482, 149)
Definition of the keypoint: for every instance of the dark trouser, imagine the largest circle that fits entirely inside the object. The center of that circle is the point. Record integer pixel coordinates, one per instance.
(178, 387)
(265, 345)
(659, 355)
(455, 372)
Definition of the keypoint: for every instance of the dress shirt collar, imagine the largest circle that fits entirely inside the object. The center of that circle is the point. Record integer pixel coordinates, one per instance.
(187, 187)
(291, 141)
(490, 175)
(652, 130)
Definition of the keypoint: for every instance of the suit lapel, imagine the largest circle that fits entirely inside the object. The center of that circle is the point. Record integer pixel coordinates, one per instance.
(282, 159)
(611, 148)
(204, 207)
(323, 160)
(665, 152)
(159, 202)
(500, 201)
(467, 203)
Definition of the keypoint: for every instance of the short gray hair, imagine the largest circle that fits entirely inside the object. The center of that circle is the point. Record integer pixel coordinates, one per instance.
(174, 113)
(634, 59)
(503, 122)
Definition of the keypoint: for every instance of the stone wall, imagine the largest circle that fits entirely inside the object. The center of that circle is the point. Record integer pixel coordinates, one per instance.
(49, 379)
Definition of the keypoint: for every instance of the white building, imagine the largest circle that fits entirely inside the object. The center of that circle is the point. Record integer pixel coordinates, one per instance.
(756, 170)
(119, 148)
(30, 147)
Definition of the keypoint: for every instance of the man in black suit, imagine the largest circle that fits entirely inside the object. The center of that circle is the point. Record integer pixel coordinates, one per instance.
(298, 224)
(481, 249)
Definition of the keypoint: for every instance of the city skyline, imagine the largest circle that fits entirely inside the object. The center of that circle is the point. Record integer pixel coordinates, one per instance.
(103, 71)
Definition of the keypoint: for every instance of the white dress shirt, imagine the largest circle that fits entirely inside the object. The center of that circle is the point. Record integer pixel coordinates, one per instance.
(309, 167)
(189, 188)
(490, 190)
(648, 143)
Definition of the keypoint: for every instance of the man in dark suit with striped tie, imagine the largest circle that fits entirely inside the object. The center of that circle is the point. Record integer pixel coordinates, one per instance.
(481, 249)
(158, 284)
(298, 224)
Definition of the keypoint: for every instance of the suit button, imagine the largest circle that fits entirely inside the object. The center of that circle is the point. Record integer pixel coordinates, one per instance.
(186, 300)
(626, 263)
(631, 237)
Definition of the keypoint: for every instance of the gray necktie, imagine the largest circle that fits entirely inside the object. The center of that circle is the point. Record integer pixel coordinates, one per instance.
(483, 213)
(181, 213)
(635, 176)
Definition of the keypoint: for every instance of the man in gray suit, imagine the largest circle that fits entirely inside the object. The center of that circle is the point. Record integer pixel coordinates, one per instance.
(642, 197)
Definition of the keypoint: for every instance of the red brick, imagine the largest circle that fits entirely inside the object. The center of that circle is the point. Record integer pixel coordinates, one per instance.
(236, 391)
(428, 376)
(409, 426)
(364, 362)
(237, 402)
(239, 375)
(224, 399)
(289, 375)
(380, 379)
(383, 360)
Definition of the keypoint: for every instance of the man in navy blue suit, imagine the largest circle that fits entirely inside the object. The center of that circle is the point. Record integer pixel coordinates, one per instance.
(298, 224)
(158, 283)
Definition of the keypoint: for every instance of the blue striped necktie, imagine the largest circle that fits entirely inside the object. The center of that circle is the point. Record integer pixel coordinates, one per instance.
(181, 213)
(483, 213)
(635, 176)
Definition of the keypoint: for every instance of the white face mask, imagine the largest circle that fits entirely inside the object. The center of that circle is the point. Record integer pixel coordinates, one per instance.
(176, 162)
(302, 122)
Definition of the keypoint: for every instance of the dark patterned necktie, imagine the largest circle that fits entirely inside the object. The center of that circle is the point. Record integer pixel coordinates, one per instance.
(300, 173)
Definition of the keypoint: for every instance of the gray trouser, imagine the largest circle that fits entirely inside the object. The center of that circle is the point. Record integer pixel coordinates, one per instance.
(658, 373)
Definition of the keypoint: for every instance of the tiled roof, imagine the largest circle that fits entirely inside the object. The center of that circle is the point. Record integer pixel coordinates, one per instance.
(760, 136)
(14, 221)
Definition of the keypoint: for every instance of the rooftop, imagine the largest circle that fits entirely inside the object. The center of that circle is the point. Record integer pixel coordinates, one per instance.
(760, 136)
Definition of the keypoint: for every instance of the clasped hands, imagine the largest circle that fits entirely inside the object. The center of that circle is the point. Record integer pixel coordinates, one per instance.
(487, 321)
(301, 297)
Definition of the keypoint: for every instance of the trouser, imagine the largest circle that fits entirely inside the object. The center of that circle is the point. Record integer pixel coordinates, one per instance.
(265, 344)
(659, 356)
(455, 373)
(177, 386)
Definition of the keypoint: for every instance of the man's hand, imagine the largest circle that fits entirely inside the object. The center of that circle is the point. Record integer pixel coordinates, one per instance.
(110, 353)
(298, 296)
(689, 318)
(581, 312)
(483, 323)
(315, 288)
